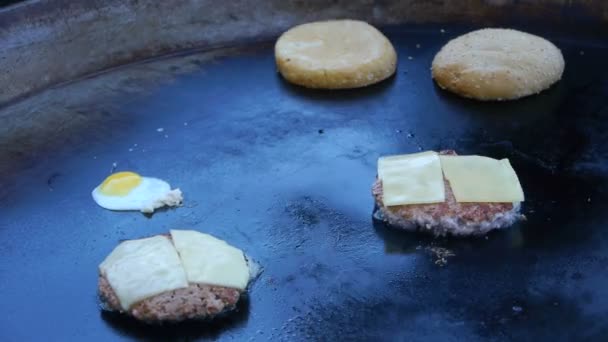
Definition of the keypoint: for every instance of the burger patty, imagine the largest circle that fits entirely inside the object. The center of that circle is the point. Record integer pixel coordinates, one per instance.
(449, 217)
(197, 301)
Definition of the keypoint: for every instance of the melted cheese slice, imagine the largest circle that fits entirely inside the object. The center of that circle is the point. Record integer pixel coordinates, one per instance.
(138, 269)
(411, 179)
(482, 179)
(208, 260)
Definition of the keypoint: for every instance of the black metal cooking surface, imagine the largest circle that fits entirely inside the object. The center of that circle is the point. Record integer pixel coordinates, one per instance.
(285, 173)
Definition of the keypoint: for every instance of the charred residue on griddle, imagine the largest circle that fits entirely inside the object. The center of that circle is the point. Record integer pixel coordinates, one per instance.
(306, 211)
(307, 223)
(51, 180)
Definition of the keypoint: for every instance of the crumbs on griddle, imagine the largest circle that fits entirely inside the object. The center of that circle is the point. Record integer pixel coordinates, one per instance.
(441, 254)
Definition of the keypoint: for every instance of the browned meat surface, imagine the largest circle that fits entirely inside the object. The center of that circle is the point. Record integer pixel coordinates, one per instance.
(469, 212)
(449, 217)
(197, 301)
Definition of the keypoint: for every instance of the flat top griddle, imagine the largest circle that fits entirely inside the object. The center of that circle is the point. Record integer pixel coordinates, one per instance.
(285, 174)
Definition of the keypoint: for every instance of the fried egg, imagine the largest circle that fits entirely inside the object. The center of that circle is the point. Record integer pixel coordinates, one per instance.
(130, 191)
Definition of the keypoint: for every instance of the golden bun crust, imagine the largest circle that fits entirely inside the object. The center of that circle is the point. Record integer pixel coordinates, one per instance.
(497, 64)
(335, 54)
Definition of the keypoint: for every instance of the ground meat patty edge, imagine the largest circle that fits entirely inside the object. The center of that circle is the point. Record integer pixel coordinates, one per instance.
(197, 301)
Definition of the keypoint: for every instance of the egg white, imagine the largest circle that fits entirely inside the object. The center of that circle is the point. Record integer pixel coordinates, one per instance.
(150, 194)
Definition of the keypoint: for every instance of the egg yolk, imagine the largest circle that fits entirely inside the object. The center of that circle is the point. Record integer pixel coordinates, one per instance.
(120, 183)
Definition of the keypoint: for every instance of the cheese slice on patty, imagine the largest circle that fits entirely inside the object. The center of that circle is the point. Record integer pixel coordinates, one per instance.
(208, 260)
(139, 269)
(482, 179)
(411, 179)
